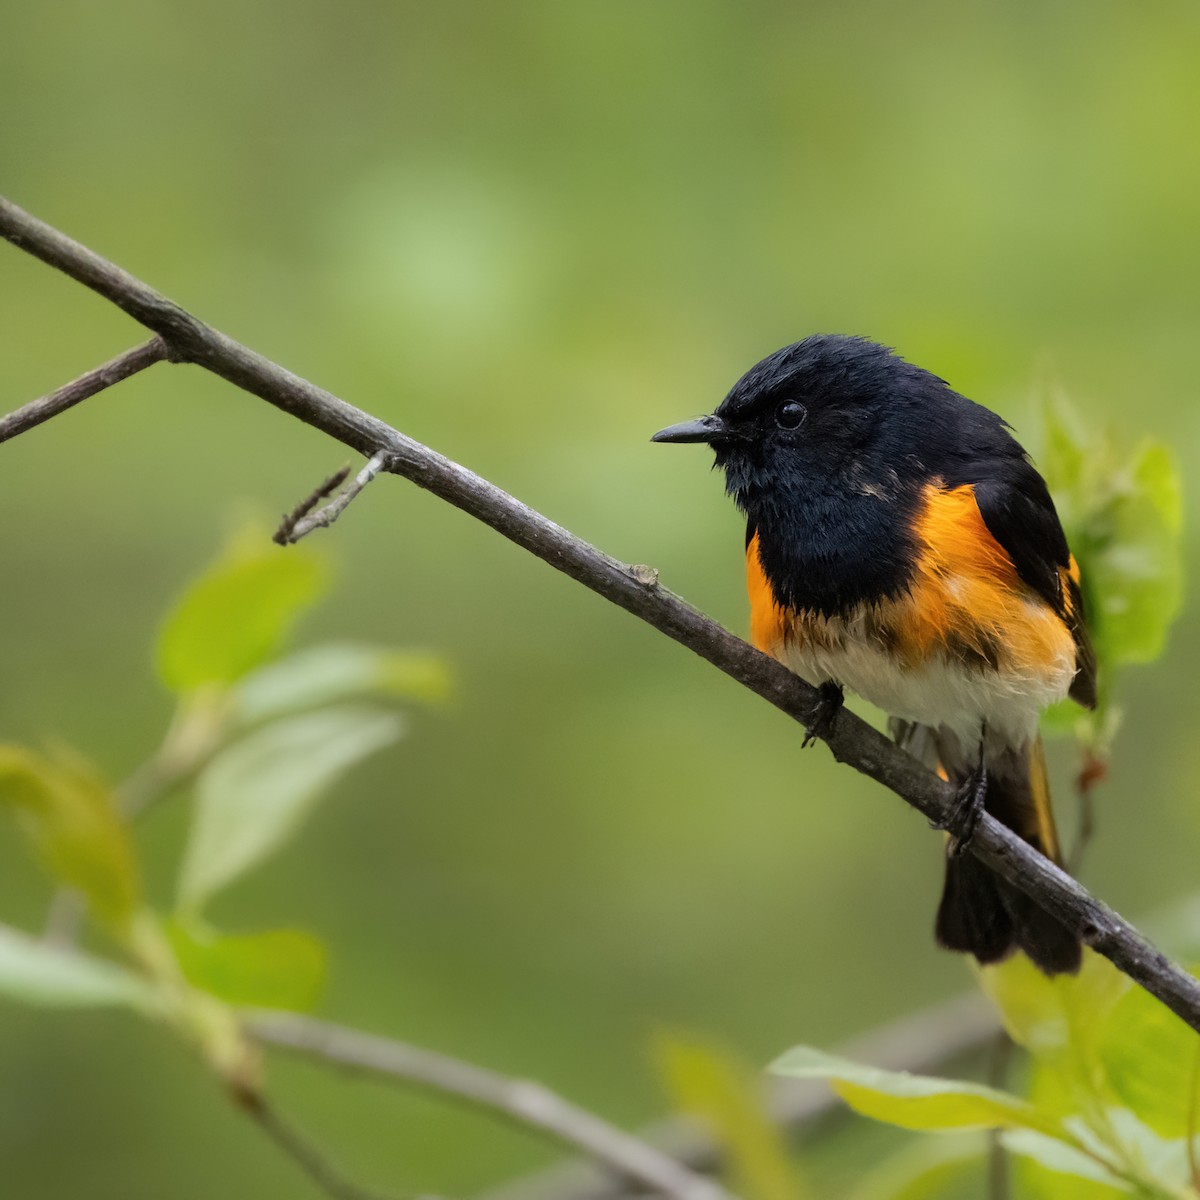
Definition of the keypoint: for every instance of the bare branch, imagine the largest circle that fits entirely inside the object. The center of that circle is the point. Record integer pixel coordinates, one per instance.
(922, 1043)
(529, 1104)
(851, 739)
(303, 1152)
(37, 411)
(298, 524)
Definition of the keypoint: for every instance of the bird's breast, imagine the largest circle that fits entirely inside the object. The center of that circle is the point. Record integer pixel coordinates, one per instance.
(963, 643)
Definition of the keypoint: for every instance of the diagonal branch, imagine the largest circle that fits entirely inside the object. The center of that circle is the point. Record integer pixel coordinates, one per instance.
(529, 1104)
(923, 1043)
(636, 590)
(303, 1152)
(83, 388)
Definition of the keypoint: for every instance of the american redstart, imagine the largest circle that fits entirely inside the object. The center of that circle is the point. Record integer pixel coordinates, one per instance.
(900, 543)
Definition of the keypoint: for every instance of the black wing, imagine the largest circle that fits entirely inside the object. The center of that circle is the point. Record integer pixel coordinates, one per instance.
(1020, 515)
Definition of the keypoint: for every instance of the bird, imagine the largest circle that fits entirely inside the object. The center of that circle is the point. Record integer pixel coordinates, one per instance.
(901, 544)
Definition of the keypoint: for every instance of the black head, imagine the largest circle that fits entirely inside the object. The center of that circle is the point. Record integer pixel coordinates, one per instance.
(827, 443)
(829, 406)
(814, 408)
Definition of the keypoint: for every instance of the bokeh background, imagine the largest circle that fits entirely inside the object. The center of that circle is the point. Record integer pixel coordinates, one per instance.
(530, 235)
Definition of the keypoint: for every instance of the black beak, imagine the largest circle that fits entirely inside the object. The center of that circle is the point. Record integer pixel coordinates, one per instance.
(702, 429)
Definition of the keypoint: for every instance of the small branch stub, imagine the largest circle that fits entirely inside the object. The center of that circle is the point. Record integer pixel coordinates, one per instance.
(287, 527)
(299, 523)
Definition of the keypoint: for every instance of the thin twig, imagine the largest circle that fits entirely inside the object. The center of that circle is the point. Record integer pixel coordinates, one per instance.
(37, 411)
(298, 524)
(851, 739)
(1092, 771)
(923, 1043)
(302, 1151)
(529, 1104)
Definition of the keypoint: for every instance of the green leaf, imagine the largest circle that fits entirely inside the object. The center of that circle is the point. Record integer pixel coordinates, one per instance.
(1061, 1159)
(1064, 458)
(238, 613)
(253, 796)
(1134, 559)
(1123, 513)
(281, 968)
(1029, 1004)
(930, 1168)
(70, 816)
(915, 1101)
(724, 1093)
(1048, 1016)
(327, 675)
(1151, 1059)
(34, 973)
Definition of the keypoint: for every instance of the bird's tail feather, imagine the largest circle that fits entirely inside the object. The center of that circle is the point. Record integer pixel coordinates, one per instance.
(982, 914)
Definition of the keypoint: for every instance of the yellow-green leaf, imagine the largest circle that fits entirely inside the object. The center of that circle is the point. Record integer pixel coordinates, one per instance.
(35, 973)
(325, 675)
(1046, 1015)
(915, 1101)
(1058, 1171)
(929, 1168)
(70, 817)
(1123, 514)
(1150, 1058)
(1134, 559)
(238, 613)
(1122, 511)
(725, 1094)
(281, 968)
(253, 796)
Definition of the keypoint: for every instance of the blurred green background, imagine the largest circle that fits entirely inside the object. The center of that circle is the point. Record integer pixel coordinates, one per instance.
(530, 235)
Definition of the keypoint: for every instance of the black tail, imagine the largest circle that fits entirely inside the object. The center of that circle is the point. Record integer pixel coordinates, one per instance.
(984, 915)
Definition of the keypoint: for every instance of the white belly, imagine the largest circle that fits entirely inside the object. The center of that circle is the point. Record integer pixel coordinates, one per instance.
(940, 692)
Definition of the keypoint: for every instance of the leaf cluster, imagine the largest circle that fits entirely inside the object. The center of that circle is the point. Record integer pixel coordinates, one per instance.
(257, 738)
(1121, 507)
(1108, 1107)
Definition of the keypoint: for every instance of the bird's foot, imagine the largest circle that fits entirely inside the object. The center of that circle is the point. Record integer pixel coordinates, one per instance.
(963, 818)
(830, 698)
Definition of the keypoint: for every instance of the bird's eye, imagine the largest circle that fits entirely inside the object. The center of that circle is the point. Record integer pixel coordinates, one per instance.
(790, 414)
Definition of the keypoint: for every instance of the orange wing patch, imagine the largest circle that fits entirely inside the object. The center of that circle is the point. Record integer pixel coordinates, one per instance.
(1068, 582)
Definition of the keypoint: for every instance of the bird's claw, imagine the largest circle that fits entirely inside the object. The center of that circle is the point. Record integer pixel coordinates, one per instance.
(829, 703)
(963, 818)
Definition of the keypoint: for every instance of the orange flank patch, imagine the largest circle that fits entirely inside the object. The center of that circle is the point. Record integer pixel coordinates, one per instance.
(967, 600)
(965, 603)
(767, 620)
